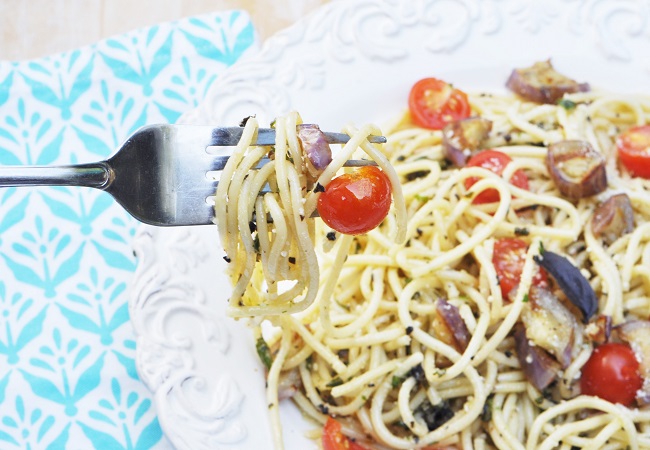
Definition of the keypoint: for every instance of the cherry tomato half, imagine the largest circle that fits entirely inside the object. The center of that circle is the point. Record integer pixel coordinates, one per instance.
(508, 258)
(612, 373)
(356, 202)
(434, 103)
(634, 150)
(494, 161)
(334, 439)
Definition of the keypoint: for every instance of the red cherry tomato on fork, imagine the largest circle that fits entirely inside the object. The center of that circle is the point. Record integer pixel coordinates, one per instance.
(334, 439)
(496, 162)
(356, 202)
(634, 150)
(508, 258)
(434, 103)
(612, 373)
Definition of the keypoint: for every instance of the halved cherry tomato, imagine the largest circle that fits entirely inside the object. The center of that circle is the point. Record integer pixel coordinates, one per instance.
(634, 150)
(612, 373)
(508, 258)
(356, 202)
(334, 439)
(435, 103)
(494, 161)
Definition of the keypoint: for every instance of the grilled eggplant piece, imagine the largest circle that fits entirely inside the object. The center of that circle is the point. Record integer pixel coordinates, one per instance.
(315, 147)
(572, 282)
(541, 83)
(599, 330)
(576, 168)
(463, 137)
(538, 365)
(450, 327)
(637, 334)
(613, 218)
(550, 325)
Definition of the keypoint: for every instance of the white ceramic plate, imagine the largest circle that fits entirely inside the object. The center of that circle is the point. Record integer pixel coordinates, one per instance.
(351, 61)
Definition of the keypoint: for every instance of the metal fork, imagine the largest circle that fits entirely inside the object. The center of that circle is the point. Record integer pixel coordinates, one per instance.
(160, 175)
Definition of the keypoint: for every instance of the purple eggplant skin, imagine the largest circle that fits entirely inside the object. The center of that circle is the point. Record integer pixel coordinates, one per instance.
(550, 325)
(463, 137)
(576, 168)
(613, 218)
(569, 278)
(541, 83)
(539, 367)
(456, 329)
(315, 147)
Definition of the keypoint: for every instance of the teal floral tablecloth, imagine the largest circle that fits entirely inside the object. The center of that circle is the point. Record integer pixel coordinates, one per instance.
(67, 371)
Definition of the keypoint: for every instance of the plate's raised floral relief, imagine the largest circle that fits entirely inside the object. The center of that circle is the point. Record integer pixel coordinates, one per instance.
(171, 314)
(386, 33)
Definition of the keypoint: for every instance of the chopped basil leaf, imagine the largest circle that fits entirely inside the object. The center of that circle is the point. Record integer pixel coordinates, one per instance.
(567, 104)
(264, 352)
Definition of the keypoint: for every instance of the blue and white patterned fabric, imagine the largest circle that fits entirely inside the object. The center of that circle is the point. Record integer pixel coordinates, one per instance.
(67, 371)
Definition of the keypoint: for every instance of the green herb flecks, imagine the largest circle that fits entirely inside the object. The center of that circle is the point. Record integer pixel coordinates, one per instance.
(264, 352)
(397, 381)
(335, 382)
(522, 231)
(486, 414)
(567, 104)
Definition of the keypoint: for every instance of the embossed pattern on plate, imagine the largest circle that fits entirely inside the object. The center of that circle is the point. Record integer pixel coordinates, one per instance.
(349, 61)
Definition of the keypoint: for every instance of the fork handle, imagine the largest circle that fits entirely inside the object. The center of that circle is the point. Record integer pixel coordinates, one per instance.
(95, 175)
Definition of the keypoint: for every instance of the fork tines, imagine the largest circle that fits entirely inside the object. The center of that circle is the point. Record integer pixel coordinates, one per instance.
(230, 136)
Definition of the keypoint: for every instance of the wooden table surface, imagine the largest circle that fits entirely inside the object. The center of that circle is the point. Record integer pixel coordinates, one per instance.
(35, 28)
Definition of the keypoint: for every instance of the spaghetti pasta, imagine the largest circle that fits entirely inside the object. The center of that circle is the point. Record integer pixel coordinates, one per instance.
(363, 340)
(268, 234)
